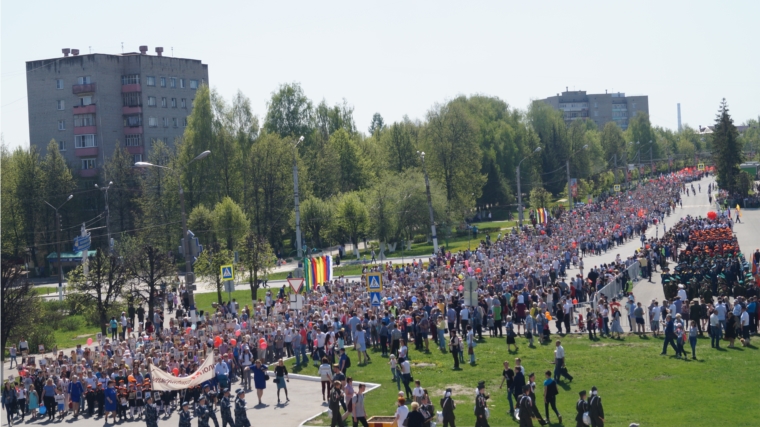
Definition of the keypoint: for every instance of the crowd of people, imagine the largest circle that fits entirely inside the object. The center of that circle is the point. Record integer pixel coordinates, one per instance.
(522, 285)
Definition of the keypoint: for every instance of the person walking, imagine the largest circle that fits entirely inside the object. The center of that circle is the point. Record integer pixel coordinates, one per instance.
(401, 412)
(693, 331)
(406, 376)
(241, 417)
(481, 406)
(670, 336)
(525, 407)
(508, 375)
(560, 369)
(226, 409)
(259, 378)
(415, 417)
(151, 413)
(359, 413)
(325, 376)
(550, 396)
(281, 376)
(715, 331)
(581, 407)
(595, 409)
(455, 344)
(334, 403)
(447, 409)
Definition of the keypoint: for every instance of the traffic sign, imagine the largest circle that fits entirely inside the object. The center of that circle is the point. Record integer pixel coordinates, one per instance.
(375, 282)
(296, 283)
(228, 273)
(229, 286)
(375, 300)
(701, 166)
(82, 243)
(296, 301)
(470, 291)
(617, 187)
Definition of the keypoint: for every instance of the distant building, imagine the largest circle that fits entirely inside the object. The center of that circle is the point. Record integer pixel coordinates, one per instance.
(89, 102)
(601, 107)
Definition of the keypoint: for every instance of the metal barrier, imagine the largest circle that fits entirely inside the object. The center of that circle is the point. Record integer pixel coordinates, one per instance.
(614, 289)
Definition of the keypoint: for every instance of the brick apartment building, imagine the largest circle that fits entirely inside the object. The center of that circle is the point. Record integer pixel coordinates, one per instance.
(89, 103)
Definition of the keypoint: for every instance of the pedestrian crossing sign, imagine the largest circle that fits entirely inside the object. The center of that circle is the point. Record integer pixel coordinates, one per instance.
(701, 166)
(228, 273)
(374, 282)
(617, 187)
(375, 299)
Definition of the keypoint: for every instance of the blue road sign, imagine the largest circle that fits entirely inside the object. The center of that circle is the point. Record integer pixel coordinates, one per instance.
(227, 272)
(82, 243)
(375, 299)
(374, 282)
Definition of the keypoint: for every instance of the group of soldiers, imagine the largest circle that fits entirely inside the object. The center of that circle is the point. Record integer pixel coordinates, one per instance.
(589, 409)
(204, 411)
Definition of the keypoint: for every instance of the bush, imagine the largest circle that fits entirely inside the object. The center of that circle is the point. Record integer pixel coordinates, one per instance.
(41, 334)
(70, 323)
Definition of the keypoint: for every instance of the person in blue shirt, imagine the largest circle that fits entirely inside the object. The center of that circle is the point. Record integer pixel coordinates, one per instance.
(670, 336)
(111, 401)
(550, 396)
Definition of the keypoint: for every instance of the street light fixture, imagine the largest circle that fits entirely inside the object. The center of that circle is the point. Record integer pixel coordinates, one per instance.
(430, 202)
(58, 244)
(108, 214)
(189, 276)
(519, 190)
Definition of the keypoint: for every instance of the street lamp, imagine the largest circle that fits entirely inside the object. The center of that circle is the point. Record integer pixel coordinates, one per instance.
(58, 244)
(189, 276)
(295, 194)
(569, 190)
(430, 202)
(108, 214)
(519, 190)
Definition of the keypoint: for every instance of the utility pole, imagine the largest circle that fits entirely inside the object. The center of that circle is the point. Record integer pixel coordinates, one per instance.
(108, 215)
(430, 203)
(58, 244)
(569, 189)
(295, 194)
(651, 163)
(519, 189)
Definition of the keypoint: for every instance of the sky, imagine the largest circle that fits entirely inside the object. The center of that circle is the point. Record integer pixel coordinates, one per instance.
(402, 57)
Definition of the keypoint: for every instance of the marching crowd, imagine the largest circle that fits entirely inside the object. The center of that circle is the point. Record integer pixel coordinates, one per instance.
(522, 285)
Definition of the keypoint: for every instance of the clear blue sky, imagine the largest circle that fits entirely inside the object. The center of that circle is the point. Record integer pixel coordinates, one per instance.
(401, 57)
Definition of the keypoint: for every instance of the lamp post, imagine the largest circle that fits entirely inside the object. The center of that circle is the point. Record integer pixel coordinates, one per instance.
(569, 189)
(108, 214)
(189, 276)
(58, 244)
(430, 202)
(296, 196)
(519, 190)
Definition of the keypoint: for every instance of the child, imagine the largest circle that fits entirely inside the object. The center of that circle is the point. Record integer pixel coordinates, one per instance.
(491, 329)
(395, 371)
(34, 402)
(60, 401)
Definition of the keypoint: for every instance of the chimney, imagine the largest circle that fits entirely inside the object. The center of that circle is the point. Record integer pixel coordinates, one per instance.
(159, 51)
(605, 91)
(66, 51)
(567, 89)
(143, 50)
(74, 52)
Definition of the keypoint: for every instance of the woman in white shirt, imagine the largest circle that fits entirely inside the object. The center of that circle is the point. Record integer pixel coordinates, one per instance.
(325, 376)
(401, 412)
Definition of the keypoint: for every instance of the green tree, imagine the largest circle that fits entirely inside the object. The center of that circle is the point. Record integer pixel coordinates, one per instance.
(613, 144)
(316, 220)
(549, 125)
(201, 223)
(101, 289)
(728, 150)
(122, 197)
(13, 226)
(147, 266)
(289, 112)
(399, 146)
(159, 205)
(352, 219)
(58, 184)
(540, 198)
(18, 303)
(331, 119)
(209, 266)
(351, 165)
(230, 222)
(257, 257)
(377, 125)
(640, 131)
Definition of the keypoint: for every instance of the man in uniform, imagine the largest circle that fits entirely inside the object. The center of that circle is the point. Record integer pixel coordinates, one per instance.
(202, 411)
(525, 405)
(151, 413)
(89, 397)
(100, 398)
(226, 406)
(184, 415)
(595, 409)
(241, 418)
(210, 401)
(481, 420)
(581, 407)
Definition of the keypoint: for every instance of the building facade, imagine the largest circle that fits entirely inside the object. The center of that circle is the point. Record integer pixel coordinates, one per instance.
(601, 108)
(91, 103)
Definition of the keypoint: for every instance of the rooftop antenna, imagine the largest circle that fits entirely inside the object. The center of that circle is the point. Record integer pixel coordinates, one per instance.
(90, 49)
(172, 51)
(122, 47)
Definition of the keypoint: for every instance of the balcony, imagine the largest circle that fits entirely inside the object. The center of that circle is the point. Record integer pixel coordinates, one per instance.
(86, 152)
(135, 150)
(131, 110)
(85, 130)
(84, 109)
(134, 87)
(88, 173)
(85, 88)
(137, 130)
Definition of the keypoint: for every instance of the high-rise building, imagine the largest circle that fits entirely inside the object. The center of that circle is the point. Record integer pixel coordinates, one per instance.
(90, 103)
(600, 107)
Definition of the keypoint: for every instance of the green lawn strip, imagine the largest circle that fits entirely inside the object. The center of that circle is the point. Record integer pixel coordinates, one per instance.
(635, 382)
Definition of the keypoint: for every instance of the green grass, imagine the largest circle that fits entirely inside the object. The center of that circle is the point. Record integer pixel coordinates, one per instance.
(634, 381)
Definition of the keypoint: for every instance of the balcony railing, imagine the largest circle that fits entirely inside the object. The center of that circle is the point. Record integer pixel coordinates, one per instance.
(84, 109)
(85, 88)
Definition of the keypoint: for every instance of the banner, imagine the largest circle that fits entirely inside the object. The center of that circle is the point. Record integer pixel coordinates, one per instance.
(574, 186)
(317, 270)
(164, 381)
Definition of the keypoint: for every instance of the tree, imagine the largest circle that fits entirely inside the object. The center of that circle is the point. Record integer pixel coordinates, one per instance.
(257, 257)
(316, 220)
(549, 125)
(159, 205)
(18, 300)
(230, 222)
(57, 184)
(330, 120)
(209, 266)
(352, 168)
(122, 196)
(289, 112)
(201, 223)
(377, 125)
(101, 289)
(613, 144)
(399, 146)
(148, 266)
(640, 131)
(728, 150)
(14, 224)
(381, 203)
(540, 198)
(352, 220)
(199, 135)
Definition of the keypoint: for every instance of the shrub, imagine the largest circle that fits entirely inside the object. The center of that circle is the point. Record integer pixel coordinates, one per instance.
(70, 323)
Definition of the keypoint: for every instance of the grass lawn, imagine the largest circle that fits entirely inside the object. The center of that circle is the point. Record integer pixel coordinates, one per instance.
(634, 381)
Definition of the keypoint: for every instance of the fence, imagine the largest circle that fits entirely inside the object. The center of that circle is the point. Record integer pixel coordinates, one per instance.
(614, 289)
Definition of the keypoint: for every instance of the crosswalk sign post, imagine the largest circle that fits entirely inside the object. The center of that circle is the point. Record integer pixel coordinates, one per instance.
(374, 282)
(228, 273)
(374, 299)
(617, 187)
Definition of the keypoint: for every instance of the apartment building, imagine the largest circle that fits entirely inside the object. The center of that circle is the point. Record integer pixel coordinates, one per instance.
(90, 103)
(601, 107)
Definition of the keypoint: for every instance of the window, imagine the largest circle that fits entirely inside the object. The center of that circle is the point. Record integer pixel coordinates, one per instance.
(133, 121)
(193, 84)
(174, 102)
(163, 81)
(184, 103)
(173, 82)
(133, 140)
(595, 105)
(150, 80)
(163, 102)
(88, 163)
(61, 145)
(634, 105)
(184, 122)
(131, 99)
(59, 83)
(85, 141)
(152, 122)
(84, 80)
(61, 104)
(151, 101)
(596, 114)
(174, 122)
(84, 120)
(166, 122)
(61, 125)
(137, 158)
(85, 100)
(182, 83)
(130, 79)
